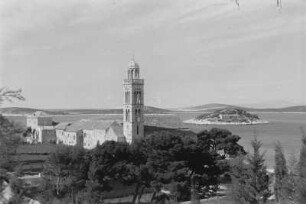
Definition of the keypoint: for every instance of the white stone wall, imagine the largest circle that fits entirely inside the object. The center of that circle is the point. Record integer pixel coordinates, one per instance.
(59, 136)
(39, 124)
(92, 137)
(111, 135)
(70, 138)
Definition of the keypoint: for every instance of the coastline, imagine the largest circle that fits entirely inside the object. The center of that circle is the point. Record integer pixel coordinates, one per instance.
(207, 122)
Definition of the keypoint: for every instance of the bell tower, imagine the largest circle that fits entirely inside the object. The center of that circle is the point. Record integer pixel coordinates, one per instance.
(133, 122)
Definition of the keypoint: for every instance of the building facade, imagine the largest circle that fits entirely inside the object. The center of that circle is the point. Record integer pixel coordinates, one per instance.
(42, 129)
(89, 133)
(133, 104)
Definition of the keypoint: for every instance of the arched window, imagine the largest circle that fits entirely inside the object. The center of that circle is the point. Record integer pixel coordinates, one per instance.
(139, 97)
(128, 97)
(132, 73)
(125, 97)
(137, 129)
(127, 115)
(135, 97)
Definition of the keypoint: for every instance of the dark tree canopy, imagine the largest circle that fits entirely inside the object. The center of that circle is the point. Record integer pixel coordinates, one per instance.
(176, 160)
(281, 175)
(302, 173)
(67, 170)
(10, 134)
(220, 139)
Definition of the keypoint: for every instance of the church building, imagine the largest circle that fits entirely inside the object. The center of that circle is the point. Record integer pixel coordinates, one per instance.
(133, 105)
(88, 133)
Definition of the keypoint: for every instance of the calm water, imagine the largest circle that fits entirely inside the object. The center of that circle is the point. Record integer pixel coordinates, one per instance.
(283, 127)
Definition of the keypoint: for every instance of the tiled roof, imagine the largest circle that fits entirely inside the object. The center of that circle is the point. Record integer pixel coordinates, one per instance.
(62, 126)
(86, 124)
(95, 124)
(118, 129)
(40, 114)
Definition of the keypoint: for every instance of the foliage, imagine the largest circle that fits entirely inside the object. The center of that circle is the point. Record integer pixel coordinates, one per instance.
(8, 95)
(161, 160)
(107, 160)
(65, 171)
(239, 176)
(250, 179)
(220, 139)
(233, 115)
(292, 180)
(302, 173)
(164, 159)
(281, 175)
(9, 140)
(259, 184)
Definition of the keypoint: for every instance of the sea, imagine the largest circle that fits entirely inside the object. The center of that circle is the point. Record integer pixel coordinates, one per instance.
(286, 128)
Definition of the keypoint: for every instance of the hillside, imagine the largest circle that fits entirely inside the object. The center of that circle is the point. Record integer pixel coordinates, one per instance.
(206, 107)
(227, 116)
(215, 106)
(26, 111)
(285, 109)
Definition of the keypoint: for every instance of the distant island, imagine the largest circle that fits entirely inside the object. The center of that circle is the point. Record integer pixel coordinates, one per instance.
(227, 116)
(217, 106)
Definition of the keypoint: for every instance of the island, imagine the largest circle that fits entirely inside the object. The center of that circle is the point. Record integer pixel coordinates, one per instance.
(227, 116)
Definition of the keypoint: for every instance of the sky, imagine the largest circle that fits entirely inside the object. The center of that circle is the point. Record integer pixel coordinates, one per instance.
(75, 53)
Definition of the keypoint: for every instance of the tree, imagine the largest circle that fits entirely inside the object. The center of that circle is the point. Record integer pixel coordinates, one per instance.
(237, 3)
(164, 159)
(292, 181)
(250, 178)
(9, 139)
(181, 160)
(203, 169)
(223, 143)
(8, 95)
(67, 169)
(108, 162)
(138, 170)
(281, 175)
(302, 173)
(279, 3)
(239, 177)
(258, 185)
(9, 132)
(220, 139)
(78, 171)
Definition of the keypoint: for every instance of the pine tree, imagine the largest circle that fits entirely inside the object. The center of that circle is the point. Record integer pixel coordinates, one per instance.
(250, 180)
(258, 184)
(239, 177)
(291, 184)
(302, 173)
(281, 175)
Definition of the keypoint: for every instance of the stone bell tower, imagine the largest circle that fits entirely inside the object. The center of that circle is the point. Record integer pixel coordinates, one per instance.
(133, 121)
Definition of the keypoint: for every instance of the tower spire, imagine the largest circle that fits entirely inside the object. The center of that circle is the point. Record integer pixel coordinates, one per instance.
(133, 122)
